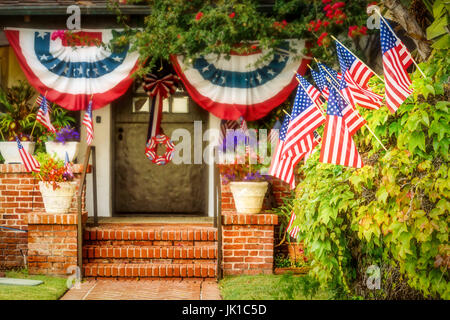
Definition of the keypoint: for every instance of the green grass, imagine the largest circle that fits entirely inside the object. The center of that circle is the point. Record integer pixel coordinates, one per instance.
(52, 288)
(272, 287)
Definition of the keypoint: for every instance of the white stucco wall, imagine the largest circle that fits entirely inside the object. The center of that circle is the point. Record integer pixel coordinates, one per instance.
(103, 148)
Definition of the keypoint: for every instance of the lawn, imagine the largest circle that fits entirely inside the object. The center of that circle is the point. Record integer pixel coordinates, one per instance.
(52, 288)
(271, 287)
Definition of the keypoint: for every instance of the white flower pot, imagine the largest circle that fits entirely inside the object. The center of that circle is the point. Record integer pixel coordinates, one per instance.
(10, 151)
(248, 195)
(60, 199)
(58, 149)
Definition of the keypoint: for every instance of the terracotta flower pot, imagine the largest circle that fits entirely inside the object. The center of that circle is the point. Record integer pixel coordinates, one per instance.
(248, 195)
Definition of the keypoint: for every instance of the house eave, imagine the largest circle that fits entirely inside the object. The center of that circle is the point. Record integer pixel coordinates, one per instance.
(54, 10)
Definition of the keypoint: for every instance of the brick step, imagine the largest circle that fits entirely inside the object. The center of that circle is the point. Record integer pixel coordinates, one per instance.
(150, 252)
(117, 270)
(151, 233)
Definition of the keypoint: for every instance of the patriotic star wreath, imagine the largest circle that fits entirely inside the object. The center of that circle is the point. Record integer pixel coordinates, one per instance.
(152, 144)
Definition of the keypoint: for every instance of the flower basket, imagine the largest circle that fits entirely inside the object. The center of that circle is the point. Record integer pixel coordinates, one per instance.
(59, 149)
(248, 195)
(57, 200)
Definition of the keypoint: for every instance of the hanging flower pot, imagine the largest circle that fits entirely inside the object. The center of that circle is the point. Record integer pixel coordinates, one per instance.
(248, 195)
(57, 200)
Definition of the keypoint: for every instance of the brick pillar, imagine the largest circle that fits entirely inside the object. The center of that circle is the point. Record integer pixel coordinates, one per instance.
(248, 243)
(19, 197)
(52, 242)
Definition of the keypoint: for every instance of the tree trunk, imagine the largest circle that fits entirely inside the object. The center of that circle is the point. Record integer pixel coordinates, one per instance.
(409, 23)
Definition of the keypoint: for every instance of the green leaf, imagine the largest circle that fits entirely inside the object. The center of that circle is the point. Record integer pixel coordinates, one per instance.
(417, 139)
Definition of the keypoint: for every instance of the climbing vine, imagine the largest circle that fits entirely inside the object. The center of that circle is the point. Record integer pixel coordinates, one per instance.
(394, 212)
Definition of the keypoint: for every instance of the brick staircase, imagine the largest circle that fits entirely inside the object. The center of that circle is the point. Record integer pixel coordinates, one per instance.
(150, 251)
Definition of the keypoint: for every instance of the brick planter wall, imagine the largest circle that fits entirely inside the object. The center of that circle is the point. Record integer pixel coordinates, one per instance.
(248, 243)
(52, 242)
(19, 196)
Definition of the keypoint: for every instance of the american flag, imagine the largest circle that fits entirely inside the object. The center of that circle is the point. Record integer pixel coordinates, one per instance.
(227, 125)
(43, 115)
(39, 100)
(28, 160)
(274, 132)
(396, 59)
(354, 85)
(312, 92)
(291, 229)
(321, 83)
(329, 73)
(67, 165)
(338, 146)
(87, 121)
(313, 141)
(283, 167)
(305, 118)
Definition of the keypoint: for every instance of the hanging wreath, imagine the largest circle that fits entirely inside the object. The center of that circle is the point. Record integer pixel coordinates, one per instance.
(152, 145)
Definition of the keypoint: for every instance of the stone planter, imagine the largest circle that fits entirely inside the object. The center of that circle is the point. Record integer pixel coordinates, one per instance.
(60, 199)
(248, 195)
(59, 149)
(10, 152)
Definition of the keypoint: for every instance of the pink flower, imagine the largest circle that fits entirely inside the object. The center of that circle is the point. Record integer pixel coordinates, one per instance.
(199, 16)
(231, 15)
(58, 34)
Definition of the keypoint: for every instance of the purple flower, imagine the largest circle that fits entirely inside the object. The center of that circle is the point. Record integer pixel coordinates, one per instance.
(67, 134)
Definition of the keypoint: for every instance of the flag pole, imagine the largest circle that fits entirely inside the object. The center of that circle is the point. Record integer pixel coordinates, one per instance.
(370, 130)
(334, 38)
(387, 24)
(35, 120)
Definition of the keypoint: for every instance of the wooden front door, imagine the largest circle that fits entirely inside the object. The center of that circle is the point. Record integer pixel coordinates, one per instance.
(142, 186)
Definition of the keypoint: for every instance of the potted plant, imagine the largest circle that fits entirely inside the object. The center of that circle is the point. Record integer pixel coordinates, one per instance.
(17, 116)
(64, 140)
(291, 251)
(243, 174)
(56, 183)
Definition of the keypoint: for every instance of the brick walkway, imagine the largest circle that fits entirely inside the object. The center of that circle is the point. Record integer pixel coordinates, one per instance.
(145, 290)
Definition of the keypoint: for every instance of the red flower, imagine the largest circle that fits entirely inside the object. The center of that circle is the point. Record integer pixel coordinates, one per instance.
(326, 1)
(254, 47)
(321, 39)
(318, 24)
(327, 7)
(338, 5)
(339, 22)
(363, 30)
(329, 14)
(199, 16)
(231, 15)
(284, 22)
(325, 24)
(351, 30)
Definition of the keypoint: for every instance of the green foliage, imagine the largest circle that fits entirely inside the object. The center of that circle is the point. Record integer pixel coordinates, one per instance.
(395, 210)
(201, 27)
(438, 31)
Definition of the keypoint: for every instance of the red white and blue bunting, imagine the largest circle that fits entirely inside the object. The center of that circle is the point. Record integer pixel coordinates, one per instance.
(70, 75)
(237, 87)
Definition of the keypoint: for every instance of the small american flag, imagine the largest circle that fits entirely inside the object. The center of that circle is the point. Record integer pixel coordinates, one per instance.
(321, 83)
(329, 73)
(305, 118)
(274, 132)
(227, 125)
(354, 85)
(39, 100)
(312, 141)
(28, 160)
(67, 165)
(283, 167)
(396, 59)
(311, 91)
(43, 115)
(291, 229)
(87, 121)
(338, 146)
